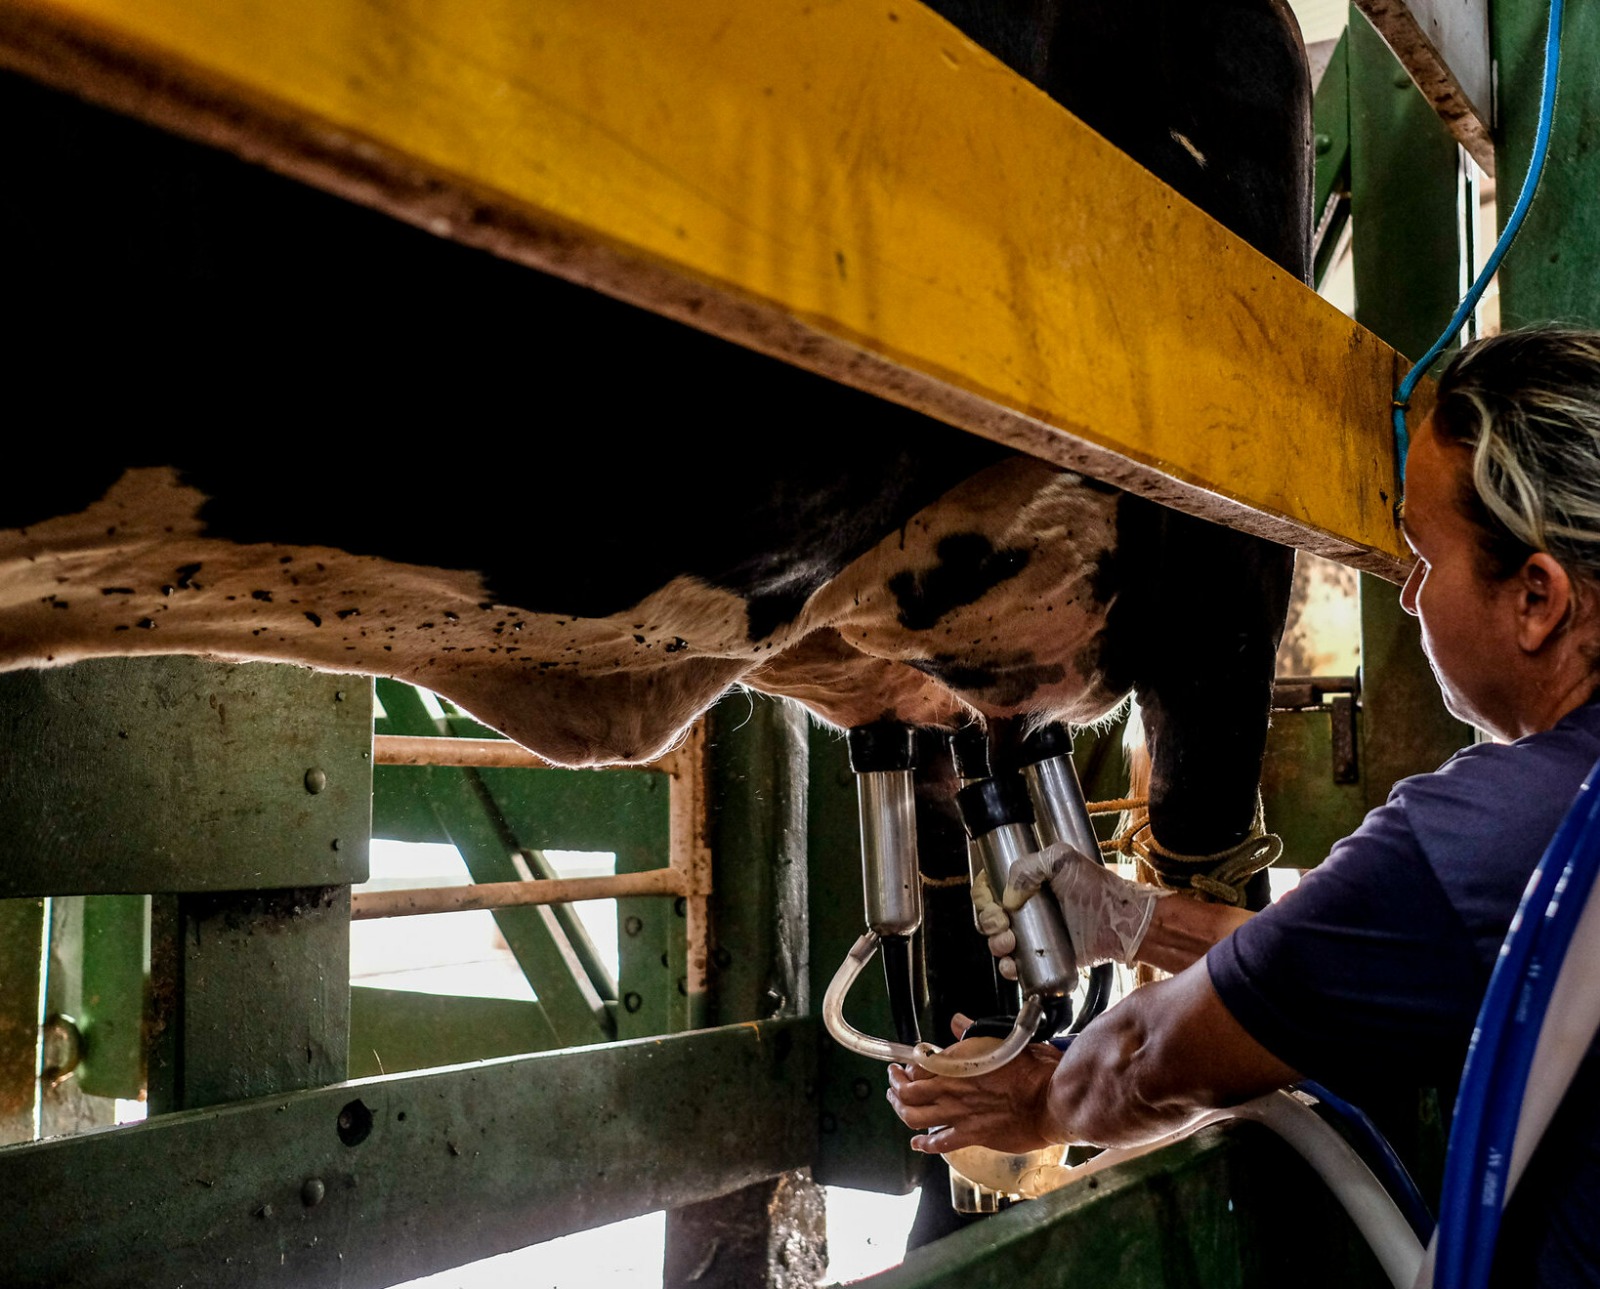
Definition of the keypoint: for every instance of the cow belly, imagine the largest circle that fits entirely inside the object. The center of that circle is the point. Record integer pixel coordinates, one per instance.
(136, 574)
(996, 597)
(989, 601)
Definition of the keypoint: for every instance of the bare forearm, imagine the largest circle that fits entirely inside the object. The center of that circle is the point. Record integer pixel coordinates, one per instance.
(1101, 1093)
(1183, 929)
(1164, 1055)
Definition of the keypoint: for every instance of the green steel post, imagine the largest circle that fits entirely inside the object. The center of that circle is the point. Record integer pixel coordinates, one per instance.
(1405, 190)
(771, 1233)
(1552, 273)
(251, 994)
(115, 978)
(1331, 144)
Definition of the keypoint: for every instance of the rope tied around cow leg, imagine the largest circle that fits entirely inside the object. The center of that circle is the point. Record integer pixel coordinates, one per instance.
(1220, 876)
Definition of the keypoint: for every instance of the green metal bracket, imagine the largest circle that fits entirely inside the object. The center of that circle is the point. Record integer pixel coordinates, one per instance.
(250, 994)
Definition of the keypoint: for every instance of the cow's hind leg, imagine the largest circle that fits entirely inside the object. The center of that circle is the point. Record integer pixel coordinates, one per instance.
(1198, 630)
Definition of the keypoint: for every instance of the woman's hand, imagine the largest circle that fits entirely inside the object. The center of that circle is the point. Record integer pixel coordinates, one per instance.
(1007, 1110)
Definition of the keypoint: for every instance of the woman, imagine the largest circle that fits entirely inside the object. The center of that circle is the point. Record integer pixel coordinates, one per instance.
(1372, 973)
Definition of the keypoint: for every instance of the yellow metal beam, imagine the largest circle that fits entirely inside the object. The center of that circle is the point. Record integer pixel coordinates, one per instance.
(851, 185)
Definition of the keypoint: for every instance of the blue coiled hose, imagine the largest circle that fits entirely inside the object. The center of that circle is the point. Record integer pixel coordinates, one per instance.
(1503, 1042)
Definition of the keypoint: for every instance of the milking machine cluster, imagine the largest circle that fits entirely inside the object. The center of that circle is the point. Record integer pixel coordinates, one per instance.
(1017, 797)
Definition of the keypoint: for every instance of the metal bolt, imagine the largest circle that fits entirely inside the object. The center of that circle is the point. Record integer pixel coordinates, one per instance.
(338, 695)
(861, 1088)
(1324, 143)
(312, 1192)
(336, 843)
(632, 1002)
(316, 780)
(633, 925)
(264, 1211)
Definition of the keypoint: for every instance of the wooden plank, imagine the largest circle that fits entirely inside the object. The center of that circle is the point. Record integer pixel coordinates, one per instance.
(388, 1179)
(854, 187)
(1444, 47)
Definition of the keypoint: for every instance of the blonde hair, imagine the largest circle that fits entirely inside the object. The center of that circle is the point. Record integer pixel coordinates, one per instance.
(1526, 405)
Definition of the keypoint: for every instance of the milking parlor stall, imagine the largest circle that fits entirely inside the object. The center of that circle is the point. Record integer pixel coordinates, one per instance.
(544, 541)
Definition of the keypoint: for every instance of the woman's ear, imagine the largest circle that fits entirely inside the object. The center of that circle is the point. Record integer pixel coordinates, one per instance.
(1545, 601)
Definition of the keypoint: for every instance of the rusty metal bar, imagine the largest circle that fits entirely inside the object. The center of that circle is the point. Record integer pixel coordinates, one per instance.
(502, 895)
(689, 855)
(688, 873)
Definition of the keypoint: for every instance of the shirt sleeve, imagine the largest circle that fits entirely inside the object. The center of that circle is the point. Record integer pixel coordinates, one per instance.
(1362, 975)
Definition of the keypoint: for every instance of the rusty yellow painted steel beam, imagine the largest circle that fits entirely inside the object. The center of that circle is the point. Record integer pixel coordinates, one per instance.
(853, 186)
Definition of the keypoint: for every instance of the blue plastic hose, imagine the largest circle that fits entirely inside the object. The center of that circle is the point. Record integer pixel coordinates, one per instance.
(1495, 1078)
(1530, 183)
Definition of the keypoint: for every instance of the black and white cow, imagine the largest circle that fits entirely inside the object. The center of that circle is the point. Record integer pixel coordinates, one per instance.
(262, 424)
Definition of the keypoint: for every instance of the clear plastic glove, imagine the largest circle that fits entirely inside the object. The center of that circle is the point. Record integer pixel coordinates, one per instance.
(1107, 916)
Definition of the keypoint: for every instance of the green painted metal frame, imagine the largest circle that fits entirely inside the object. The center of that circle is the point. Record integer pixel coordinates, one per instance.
(21, 951)
(174, 774)
(378, 1181)
(1330, 126)
(470, 815)
(624, 812)
(250, 994)
(1552, 273)
(1230, 1208)
(396, 1030)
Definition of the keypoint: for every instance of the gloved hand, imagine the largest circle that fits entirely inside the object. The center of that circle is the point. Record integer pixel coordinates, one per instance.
(1106, 915)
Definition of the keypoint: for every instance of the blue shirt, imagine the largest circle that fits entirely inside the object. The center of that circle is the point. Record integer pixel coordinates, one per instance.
(1371, 972)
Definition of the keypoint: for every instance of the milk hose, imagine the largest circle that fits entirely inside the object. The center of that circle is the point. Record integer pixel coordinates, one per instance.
(1369, 1205)
(925, 1055)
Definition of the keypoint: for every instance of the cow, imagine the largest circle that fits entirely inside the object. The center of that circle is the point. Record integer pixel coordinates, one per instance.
(364, 450)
